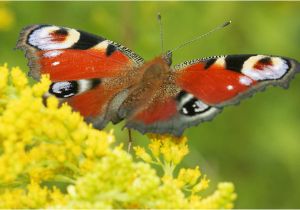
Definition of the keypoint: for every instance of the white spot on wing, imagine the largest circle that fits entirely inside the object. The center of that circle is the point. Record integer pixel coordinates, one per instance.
(57, 87)
(245, 80)
(52, 53)
(229, 87)
(185, 99)
(207, 114)
(102, 45)
(220, 61)
(42, 38)
(55, 63)
(200, 106)
(68, 95)
(184, 110)
(275, 71)
(84, 84)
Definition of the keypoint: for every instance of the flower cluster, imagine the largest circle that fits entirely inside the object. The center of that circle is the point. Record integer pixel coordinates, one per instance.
(49, 157)
(42, 149)
(167, 152)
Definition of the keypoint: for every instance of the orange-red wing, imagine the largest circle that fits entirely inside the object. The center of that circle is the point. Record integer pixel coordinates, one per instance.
(225, 80)
(69, 54)
(73, 64)
(206, 86)
(80, 65)
(171, 114)
(157, 112)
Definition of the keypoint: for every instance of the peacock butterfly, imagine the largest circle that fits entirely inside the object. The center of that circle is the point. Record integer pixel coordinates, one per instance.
(106, 81)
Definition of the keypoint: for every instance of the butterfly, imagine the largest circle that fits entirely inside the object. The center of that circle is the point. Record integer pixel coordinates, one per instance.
(107, 82)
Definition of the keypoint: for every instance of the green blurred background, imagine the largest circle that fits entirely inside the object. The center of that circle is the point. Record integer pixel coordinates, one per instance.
(256, 144)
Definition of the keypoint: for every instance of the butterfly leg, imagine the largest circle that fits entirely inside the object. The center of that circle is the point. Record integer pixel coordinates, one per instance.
(129, 140)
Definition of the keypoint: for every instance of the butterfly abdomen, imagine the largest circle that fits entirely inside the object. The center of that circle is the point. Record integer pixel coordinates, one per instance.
(152, 77)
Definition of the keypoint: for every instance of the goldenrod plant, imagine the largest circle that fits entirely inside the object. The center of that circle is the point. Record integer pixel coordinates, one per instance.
(50, 158)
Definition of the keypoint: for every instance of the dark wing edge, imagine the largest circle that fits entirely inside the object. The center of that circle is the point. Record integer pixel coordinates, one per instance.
(29, 51)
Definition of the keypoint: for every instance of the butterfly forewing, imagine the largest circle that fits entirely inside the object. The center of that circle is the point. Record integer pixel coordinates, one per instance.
(87, 71)
(226, 80)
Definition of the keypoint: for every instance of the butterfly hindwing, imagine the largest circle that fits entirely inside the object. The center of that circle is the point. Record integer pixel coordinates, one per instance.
(82, 67)
(172, 114)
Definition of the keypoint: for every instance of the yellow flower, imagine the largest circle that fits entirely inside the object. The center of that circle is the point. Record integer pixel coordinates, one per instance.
(44, 145)
(188, 176)
(50, 158)
(40, 88)
(221, 198)
(154, 146)
(3, 78)
(183, 190)
(202, 185)
(18, 78)
(166, 151)
(35, 196)
(6, 18)
(173, 149)
(141, 153)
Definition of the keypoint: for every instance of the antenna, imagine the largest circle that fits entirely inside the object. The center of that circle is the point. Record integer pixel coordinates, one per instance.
(161, 32)
(203, 35)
